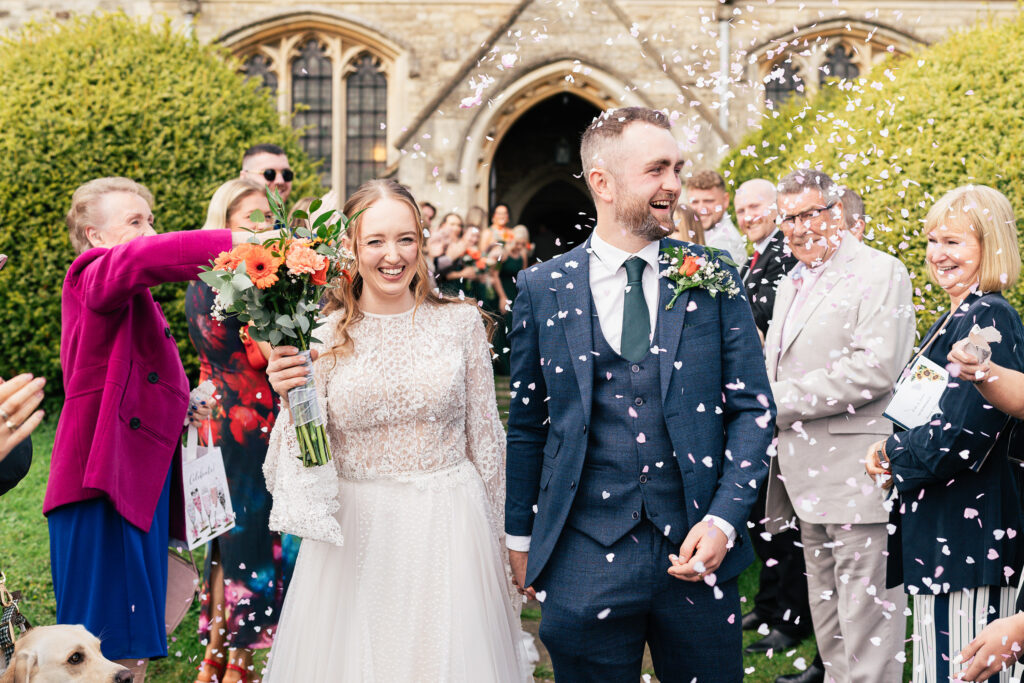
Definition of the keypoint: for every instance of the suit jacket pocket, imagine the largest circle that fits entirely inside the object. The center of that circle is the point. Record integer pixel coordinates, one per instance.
(855, 424)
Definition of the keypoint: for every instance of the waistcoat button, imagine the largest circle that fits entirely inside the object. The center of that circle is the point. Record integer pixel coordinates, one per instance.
(153, 378)
(167, 332)
(135, 423)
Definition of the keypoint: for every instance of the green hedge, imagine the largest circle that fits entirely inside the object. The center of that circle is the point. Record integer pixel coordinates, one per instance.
(906, 133)
(106, 95)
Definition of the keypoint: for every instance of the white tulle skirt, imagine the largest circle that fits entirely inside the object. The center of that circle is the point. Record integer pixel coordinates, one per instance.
(418, 593)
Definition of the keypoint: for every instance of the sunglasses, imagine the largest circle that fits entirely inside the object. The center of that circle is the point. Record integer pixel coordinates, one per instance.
(271, 173)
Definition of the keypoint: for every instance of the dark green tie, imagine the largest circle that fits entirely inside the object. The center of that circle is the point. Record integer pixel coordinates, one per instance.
(636, 319)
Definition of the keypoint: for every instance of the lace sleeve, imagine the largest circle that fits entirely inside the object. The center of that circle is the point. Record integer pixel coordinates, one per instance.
(304, 498)
(485, 437)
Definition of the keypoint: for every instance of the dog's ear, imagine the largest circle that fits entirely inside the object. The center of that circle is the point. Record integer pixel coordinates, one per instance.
(20, 670)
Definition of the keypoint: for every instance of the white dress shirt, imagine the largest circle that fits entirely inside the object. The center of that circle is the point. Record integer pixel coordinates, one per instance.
(724, 235)
(608, 281)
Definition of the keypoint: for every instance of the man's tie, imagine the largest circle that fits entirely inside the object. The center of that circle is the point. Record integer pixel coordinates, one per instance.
(636, 318)
(753, 260)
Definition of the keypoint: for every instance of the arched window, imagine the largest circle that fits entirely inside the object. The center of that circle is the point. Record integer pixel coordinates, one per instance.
(782, 82)
(366, 118)
(839, 64)
(331, 80)
(311, 88)
(259, 66)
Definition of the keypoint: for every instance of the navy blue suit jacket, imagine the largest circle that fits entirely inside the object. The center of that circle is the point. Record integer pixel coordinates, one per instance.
(716, 399)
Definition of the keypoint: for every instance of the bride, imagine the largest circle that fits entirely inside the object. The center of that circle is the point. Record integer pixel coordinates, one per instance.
(402, 574)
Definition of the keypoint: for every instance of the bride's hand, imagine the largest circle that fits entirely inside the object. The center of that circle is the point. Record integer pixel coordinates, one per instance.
(286, 370)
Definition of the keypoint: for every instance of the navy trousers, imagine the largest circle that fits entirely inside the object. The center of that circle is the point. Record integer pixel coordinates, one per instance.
(602, 604)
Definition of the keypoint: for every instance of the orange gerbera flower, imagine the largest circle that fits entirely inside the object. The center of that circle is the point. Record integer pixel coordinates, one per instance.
(260, 265)
(227, 260)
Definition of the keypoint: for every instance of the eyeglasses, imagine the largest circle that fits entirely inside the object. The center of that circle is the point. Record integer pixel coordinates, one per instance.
(804, 216)
(271, 173)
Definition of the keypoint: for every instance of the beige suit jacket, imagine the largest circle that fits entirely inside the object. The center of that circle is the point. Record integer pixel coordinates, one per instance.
(832, 377)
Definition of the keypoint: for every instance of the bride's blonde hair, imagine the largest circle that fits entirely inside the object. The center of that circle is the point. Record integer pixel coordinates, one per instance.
(345, 296)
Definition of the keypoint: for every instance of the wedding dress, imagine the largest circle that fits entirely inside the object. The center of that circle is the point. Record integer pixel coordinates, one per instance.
(402, 574)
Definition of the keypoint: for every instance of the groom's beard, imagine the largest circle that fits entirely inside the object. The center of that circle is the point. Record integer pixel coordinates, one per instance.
(634, 212)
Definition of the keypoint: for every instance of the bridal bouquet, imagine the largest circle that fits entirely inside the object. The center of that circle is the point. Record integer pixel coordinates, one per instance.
(276, 286)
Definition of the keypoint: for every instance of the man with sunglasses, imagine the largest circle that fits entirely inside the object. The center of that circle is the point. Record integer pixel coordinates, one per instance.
(268, 164)
(841, 331)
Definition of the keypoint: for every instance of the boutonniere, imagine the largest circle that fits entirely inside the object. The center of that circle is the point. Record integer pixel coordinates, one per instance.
(688, 270)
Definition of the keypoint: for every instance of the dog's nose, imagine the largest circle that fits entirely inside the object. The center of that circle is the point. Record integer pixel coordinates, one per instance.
(123, 676)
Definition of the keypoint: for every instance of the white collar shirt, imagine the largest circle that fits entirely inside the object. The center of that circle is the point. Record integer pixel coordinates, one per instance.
(608, 285)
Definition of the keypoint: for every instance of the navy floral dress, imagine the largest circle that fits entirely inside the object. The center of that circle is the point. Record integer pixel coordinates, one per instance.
(257, 562)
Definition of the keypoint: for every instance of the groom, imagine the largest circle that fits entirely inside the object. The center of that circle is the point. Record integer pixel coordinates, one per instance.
(637, 435)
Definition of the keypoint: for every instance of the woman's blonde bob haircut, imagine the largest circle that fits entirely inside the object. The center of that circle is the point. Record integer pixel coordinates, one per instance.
(345, 296)
(987, 213)
(85, 211)
(226, 199)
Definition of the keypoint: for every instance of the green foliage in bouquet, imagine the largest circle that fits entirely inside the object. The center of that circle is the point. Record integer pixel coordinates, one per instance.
(105, 95)
(903, 135)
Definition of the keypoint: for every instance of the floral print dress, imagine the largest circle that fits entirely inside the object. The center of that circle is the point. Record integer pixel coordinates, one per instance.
(256, 562)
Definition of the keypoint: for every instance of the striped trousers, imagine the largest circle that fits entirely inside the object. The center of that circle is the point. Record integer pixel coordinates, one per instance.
(944, 624)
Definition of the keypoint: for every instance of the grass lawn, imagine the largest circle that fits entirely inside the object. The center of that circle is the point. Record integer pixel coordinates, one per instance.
(25, 558)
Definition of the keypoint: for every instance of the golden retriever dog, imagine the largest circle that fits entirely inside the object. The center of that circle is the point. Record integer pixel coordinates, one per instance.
(59, 654)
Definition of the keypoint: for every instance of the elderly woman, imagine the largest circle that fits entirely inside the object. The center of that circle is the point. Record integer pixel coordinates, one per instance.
(957, 546)
(246, 568)
(115, 490)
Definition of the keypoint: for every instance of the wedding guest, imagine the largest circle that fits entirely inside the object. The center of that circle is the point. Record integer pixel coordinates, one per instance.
(498, 230)
(514, 261)
(427, 211)
(247, 568)
(688, 227)
(781, 600)
(757, 213)
(958, 541)
(401, 575)
(476, 217)
(438, 243)
(268, 164)
(853, 213)
(114, 494)
(841, 330)
(20, 397)
(705, 193)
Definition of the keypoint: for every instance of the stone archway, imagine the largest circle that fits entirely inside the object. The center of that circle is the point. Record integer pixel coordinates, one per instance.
(536, 171)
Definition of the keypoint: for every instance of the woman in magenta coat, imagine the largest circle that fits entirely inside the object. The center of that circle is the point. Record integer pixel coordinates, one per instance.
(114, 494)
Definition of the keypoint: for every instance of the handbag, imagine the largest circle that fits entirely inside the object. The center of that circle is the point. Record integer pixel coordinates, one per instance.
(253, 353)
(182, 588)
(12, 622)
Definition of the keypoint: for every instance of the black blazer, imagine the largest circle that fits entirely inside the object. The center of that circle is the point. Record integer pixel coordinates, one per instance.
(762, 280)
(957, 521)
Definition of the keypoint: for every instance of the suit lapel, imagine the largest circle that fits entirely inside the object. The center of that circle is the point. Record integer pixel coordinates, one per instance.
(784, 298)
(572, 291)
(669, 329)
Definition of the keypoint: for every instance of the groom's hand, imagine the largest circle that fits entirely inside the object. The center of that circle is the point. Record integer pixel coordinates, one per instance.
(518, 562)
(701, 554)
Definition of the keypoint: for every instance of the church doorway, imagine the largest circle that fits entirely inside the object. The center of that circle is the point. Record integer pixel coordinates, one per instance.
(537, 172)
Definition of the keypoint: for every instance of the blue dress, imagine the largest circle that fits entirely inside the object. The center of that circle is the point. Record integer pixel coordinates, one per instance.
(111, 577)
